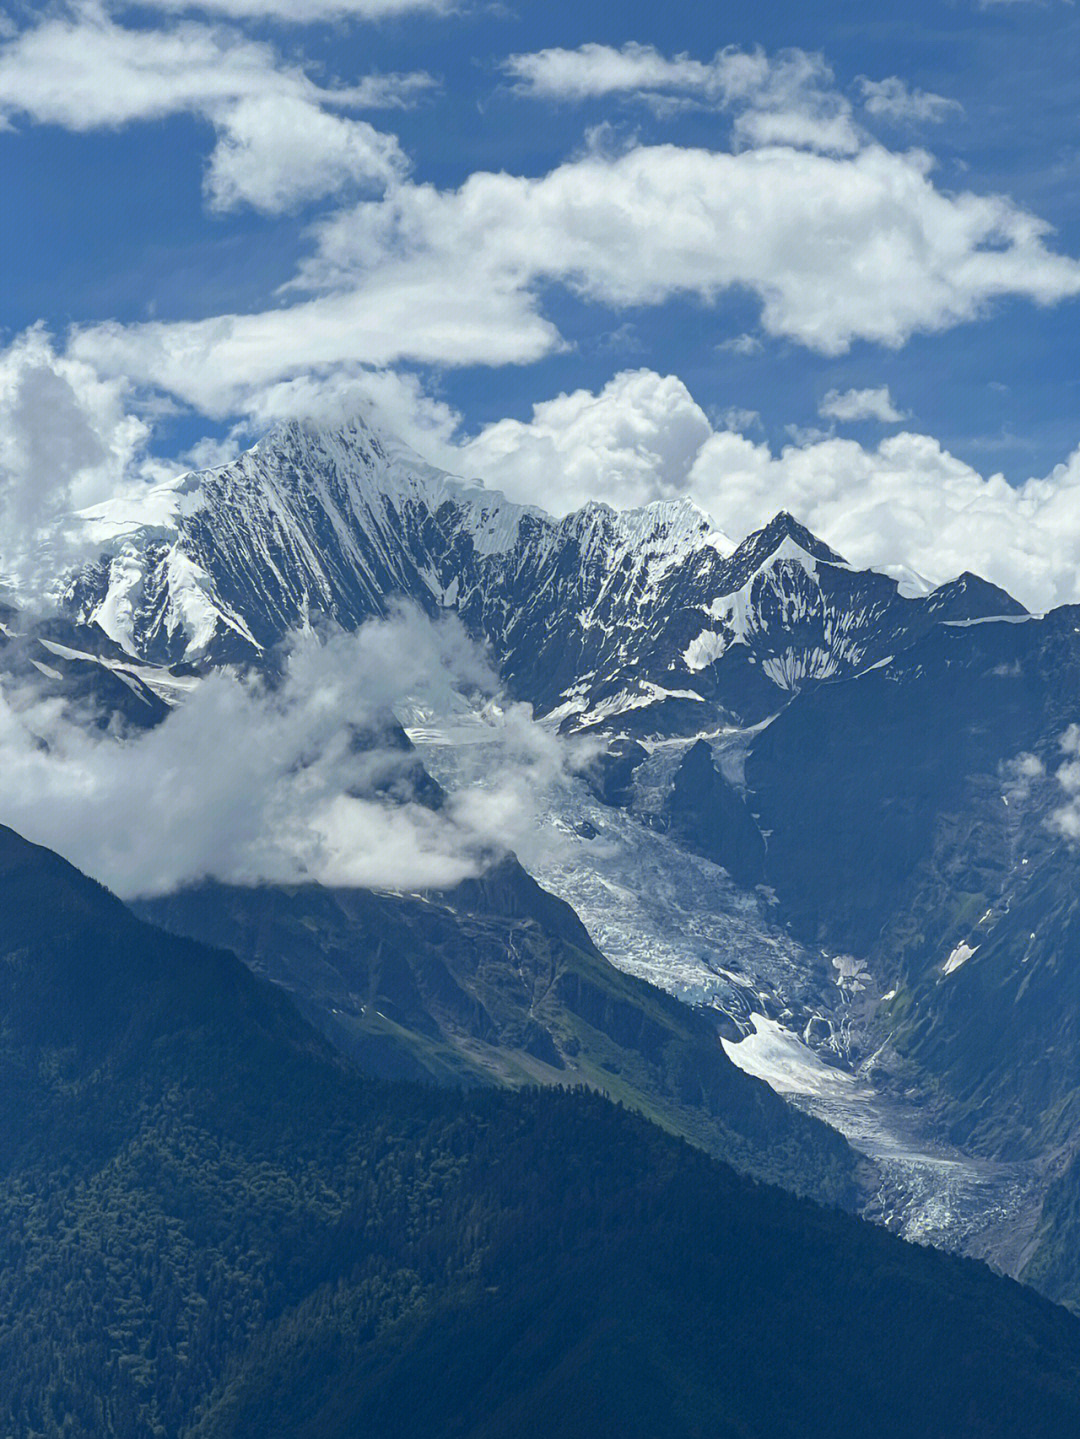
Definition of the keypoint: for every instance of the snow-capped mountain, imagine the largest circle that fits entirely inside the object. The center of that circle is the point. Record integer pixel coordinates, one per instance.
(81, 665)
(819, 850)
(650, 617)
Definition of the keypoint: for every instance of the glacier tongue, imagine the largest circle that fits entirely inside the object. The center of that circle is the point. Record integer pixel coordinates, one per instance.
(788, 1015)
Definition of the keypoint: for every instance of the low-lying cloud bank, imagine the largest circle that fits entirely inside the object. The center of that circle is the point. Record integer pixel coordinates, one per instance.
(250, 784)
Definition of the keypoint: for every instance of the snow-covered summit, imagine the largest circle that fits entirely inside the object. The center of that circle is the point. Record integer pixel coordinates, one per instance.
(596, 615)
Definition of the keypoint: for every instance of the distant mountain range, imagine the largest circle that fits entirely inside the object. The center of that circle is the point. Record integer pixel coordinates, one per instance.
(649, 617)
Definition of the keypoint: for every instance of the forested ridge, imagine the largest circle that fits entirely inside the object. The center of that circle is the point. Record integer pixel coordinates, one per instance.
(212, 1226)
(497, 981)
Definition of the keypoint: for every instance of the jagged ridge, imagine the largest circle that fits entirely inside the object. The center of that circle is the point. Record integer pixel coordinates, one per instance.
(592, 618)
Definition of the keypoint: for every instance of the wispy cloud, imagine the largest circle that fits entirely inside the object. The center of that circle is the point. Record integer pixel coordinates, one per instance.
(894, 100)
(789, 98)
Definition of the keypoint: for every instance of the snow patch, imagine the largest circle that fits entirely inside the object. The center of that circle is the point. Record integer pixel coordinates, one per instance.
(705, 650)
(774, 1054)
(960, 955)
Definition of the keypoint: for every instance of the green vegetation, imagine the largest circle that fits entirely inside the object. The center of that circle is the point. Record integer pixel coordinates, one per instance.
(498, 982)
(211, 1226)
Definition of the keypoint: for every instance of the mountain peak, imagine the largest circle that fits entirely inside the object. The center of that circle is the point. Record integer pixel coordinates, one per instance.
(782, 538)
(784, 526)
(970, 596)
(357, 428)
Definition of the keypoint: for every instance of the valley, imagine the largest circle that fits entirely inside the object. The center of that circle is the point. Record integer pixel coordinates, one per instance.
(749, 811)
(804, 1023)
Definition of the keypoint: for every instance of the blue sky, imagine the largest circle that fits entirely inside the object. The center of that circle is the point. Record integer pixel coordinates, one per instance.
(729, 195)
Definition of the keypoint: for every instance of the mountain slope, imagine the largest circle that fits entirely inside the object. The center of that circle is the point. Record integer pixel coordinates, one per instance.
(909, 815)
(236, 1236)
(498, 981)
(646, 617)
(79, 665)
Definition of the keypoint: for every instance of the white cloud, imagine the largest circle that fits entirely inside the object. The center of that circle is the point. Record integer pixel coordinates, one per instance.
(403, 313)
(71, 438)
(787, 98)
(805, 129)
(301, 12)
(742, 345)
(279, 151)
(838, 249)
(736, 418)
(849, 406)
(593, 71)
(906, 501)
(280, 137)
(894, 100)
(399, 401)
(635, 440)
(67, 439)
(249, 784)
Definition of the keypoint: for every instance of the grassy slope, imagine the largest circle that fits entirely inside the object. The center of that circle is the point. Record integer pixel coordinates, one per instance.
(498, 981)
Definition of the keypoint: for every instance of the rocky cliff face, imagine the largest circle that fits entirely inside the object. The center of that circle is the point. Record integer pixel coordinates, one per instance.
(648, 618)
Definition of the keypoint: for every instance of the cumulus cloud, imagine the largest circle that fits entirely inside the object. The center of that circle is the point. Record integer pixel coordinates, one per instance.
(894, 100)
(248, 783)
(639, 437)
(68, 438)
(837, 249)
(281, 138)
(849, 406)
(907, 500)
(278, 151)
